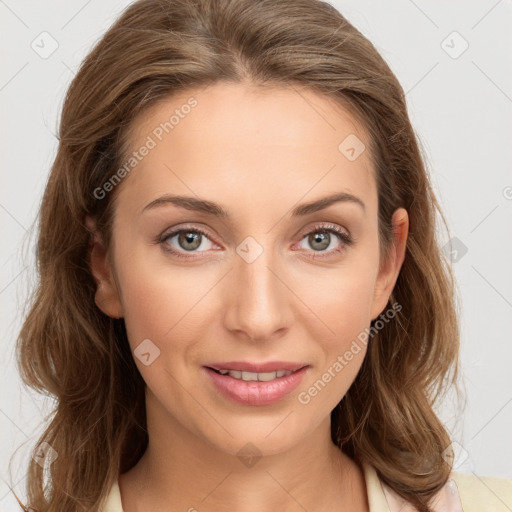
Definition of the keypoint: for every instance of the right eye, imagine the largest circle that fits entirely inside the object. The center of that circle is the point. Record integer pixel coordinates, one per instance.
(187, 239)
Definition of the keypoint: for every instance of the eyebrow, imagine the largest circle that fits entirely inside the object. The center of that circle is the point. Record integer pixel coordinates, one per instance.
(211, 208)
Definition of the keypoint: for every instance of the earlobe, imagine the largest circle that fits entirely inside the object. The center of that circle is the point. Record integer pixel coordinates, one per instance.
(388, 273)
(106, 296)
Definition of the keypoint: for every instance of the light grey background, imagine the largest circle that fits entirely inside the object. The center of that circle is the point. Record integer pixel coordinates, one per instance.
(460, 103)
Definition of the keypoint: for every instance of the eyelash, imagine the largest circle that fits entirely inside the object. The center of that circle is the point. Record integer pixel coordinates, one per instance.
(343, 237)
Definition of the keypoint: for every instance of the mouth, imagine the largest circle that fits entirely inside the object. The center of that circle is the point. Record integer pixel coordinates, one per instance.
(255, 388)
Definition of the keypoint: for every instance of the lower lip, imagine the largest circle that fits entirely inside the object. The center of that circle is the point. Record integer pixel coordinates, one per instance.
(255, 392)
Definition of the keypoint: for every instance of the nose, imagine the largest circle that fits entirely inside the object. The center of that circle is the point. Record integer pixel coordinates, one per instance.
(257, 296)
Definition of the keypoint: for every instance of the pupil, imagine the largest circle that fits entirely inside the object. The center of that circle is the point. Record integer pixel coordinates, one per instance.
(190, 238)
(322, 238)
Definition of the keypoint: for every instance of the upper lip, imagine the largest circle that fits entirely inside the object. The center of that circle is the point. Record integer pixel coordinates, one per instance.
(269, 366)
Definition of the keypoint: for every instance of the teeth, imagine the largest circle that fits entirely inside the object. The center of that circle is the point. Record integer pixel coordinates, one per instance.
(250, 376)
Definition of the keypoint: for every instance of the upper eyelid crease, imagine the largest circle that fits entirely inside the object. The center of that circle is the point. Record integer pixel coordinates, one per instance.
(211, 208)
(318, 227)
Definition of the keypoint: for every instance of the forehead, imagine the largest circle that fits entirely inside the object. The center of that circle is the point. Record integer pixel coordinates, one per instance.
(278, 115)
(272, 142)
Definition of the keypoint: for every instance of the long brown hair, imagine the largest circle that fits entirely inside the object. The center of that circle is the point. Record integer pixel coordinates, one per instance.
(70, 350)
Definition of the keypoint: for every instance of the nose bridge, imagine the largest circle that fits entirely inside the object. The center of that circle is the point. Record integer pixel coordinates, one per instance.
(259, 303)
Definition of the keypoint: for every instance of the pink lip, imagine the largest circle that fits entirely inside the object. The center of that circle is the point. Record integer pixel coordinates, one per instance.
(255, 392)
(269, 366)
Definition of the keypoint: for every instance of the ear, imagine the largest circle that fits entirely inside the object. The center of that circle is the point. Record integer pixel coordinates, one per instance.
(107, 296)
(390, 267)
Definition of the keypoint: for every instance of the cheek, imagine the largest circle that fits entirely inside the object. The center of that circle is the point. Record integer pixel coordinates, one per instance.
(162, 301)
(342, 305)
(340, 297)
(147, 305)
(341, 352)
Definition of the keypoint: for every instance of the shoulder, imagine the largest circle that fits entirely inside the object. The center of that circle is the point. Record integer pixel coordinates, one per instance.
(461, 493)
(470, 493)
(478, 493)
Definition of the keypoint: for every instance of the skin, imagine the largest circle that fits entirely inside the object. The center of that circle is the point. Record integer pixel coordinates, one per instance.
(259, 153)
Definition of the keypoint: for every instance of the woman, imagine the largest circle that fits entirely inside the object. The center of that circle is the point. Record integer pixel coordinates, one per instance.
(242, 304)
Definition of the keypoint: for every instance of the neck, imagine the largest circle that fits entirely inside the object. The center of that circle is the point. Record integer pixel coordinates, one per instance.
(182, 471)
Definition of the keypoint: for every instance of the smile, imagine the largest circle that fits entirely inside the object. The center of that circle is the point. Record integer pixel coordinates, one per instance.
(251, 376)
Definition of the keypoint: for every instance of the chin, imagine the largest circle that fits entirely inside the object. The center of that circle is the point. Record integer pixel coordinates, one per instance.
(266, 436)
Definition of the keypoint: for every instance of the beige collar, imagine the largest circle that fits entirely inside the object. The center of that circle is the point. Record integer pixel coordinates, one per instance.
(382, 498)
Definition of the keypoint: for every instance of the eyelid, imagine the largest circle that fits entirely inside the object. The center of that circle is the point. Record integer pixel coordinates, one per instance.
(318, 226)
(174, 231)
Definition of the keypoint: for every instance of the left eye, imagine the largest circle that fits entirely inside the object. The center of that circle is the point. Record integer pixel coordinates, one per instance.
(321, 239)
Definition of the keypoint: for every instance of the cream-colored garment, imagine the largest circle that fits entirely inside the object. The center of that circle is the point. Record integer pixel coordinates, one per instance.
(461, 493)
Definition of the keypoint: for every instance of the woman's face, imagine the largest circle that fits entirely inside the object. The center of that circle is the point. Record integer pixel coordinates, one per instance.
(263, 283)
